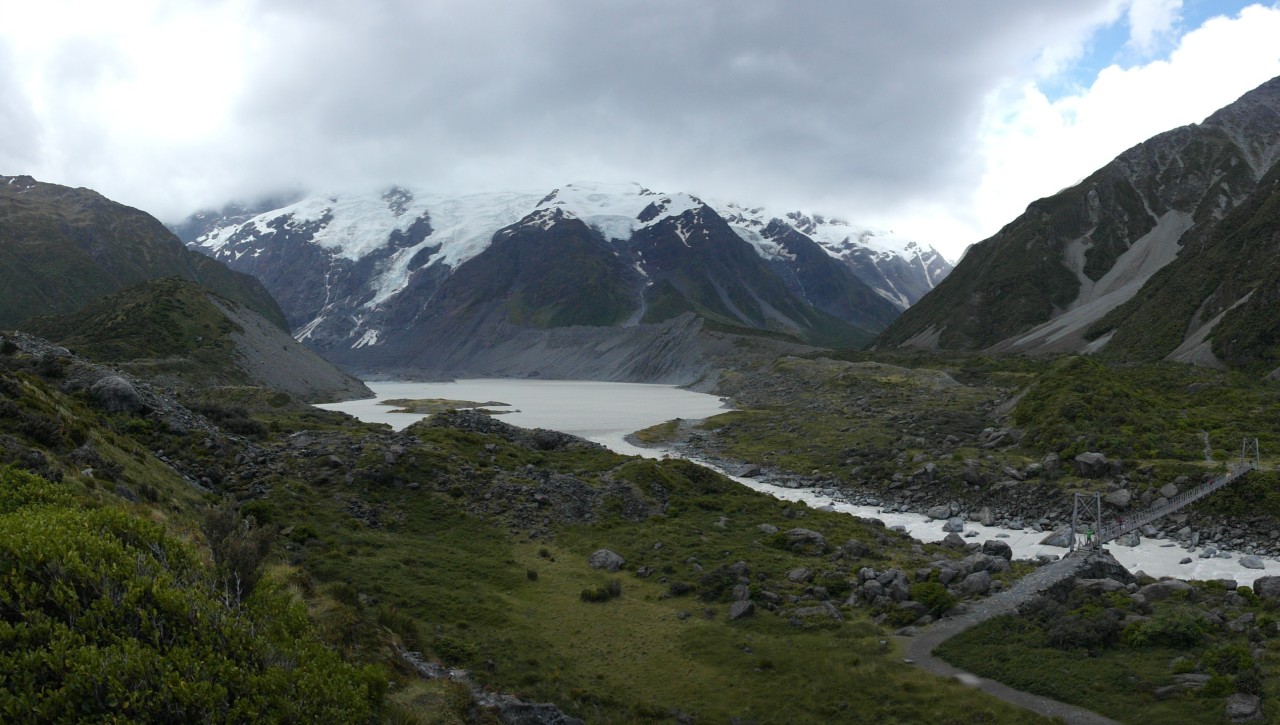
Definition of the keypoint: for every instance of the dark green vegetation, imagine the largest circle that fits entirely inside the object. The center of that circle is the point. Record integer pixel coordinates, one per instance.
(181, 335)
(106, 616)
(428, 406)
(167, 327)
(466, 540)
(1171, 659)
(861, 422)
(61, 248)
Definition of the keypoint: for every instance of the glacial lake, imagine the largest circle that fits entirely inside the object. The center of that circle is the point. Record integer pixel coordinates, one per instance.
(606, 412)
(598, 411)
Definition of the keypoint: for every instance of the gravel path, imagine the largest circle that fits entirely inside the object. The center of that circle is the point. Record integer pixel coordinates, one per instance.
(919, 649)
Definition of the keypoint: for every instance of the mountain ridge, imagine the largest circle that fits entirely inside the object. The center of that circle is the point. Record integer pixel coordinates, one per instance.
(1071, 274)
(354, 271)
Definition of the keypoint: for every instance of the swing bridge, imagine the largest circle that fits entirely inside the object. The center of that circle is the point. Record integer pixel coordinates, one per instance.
(1086, 512)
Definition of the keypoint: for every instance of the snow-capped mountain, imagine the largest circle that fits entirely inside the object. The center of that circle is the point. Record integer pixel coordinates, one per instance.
(900, 270)
(359, 274)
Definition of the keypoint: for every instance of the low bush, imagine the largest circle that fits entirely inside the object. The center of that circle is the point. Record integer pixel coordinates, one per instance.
(602, 593)
(104, 616)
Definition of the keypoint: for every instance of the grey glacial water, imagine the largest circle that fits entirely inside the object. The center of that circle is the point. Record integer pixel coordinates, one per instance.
(606, 412)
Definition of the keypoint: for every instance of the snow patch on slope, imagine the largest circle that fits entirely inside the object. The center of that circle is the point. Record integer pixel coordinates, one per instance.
(615, 210)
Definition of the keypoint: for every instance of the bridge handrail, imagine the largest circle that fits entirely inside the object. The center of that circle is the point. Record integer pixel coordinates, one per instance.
(1146, 516)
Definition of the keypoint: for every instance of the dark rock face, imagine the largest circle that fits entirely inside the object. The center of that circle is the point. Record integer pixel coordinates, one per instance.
(1196, 194)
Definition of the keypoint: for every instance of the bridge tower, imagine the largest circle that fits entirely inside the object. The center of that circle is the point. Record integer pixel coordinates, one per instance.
(1249, 449)
(1086, 513)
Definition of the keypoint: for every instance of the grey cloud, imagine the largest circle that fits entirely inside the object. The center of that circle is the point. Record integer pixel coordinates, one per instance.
(870, 103)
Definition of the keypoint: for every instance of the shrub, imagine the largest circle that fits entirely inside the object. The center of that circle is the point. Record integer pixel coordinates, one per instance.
(1171, 627)
(107, 617)
(934, 596)
(239, 546)
(602, 593)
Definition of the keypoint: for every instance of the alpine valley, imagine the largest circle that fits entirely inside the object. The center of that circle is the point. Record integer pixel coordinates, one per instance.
(185, 538)
(587, 281)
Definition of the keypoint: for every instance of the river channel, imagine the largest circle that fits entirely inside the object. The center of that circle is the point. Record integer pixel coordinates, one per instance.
(606, 412)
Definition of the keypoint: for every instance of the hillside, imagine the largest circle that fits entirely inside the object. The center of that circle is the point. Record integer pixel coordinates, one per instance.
(61, 248)
(1137, 261)
(458, 543)
(176, 332)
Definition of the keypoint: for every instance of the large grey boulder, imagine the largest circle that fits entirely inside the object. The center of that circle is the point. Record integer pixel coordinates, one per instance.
(1243, 708)
(1091, 465)
(741, 609)
(953, 541)
(1267, 587)
(605, 559)
(985, 517)
(955, 525)
(116, 395)
(995, 547)
(1119, 498)
(1252, 562)
(1130, 539)
(1169, 490)
(1061, 537)
(976, 583)
(806, 541)
(939, 512)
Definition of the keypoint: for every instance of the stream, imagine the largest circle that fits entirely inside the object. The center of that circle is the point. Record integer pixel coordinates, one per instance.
(607, 412)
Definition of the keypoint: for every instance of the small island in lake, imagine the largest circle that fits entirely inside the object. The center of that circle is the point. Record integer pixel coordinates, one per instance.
(428, 406)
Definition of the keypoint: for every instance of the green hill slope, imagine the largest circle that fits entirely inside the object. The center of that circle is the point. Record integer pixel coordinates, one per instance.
(61, 248)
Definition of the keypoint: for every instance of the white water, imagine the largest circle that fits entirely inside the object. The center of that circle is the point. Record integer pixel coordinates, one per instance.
(598, 411)
(606, 412)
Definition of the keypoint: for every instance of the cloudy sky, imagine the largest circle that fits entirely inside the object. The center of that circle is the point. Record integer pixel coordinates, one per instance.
(936, 119)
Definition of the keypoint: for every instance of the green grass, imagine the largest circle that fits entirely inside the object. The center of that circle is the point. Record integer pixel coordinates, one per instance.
(466, 582)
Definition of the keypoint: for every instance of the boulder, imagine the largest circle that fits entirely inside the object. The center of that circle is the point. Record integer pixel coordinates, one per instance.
(740, 609)
(605, 559)
(939, 512)
(1252, 562)
(1091, 465)
(1267, 587)
(768, 529)
(1130, 539)
(985, 517)
(1051, 465)
(800, 574)
(955, 524)
(1169, 490)
(1119, 498)
(1243, 708)
(976, 583)
(1061, 537)
(953, 541)
(116, 395)
(993, 547)
(1163, 589)
(805, 541)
